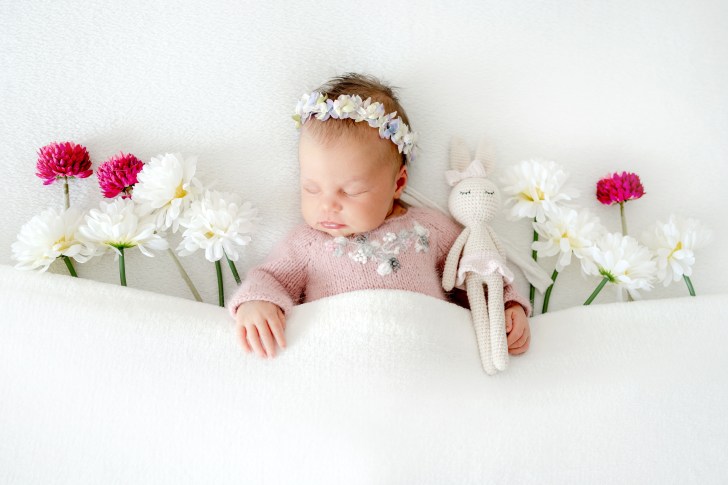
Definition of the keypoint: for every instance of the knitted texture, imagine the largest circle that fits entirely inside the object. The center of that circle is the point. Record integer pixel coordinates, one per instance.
(477, 257)
(406, 252)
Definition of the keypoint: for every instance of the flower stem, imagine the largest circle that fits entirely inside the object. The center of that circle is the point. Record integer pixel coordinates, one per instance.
(690, 285)
(554, 275)
(67, 197)
(70, 267)
(233, 269)
(596, 292)
(624, 219)
(534, 255)
(220, 291)
(122, 267)
(184, 275)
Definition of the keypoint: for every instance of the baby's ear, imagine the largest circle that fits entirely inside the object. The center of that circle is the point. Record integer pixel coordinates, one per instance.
(459, 154)
(485, 154)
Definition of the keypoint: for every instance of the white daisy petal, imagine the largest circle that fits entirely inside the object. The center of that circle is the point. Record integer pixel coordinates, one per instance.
(217, 223)
(166, 186)
(625, 262)
(118, 225)
(566, 232)
(535, 188)
(51, 234)
(674, 243)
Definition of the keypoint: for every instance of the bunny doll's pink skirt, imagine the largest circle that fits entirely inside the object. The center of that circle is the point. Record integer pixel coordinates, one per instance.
(483, 263)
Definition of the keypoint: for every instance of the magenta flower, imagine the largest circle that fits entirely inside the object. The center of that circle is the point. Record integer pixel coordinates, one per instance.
(616, 188)
(118, 175)
(63, 160)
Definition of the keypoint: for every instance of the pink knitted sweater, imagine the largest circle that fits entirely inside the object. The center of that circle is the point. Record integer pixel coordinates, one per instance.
(407, 252)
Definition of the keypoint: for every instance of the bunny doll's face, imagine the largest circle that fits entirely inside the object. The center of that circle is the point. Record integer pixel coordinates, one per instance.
(474, 200)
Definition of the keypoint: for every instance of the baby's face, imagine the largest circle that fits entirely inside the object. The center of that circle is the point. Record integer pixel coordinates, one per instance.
(348, 186)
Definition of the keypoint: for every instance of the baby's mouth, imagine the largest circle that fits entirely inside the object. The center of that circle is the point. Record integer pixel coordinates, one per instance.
(331, 225)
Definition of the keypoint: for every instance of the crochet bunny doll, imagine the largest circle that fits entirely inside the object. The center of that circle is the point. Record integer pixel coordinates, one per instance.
(474, 202)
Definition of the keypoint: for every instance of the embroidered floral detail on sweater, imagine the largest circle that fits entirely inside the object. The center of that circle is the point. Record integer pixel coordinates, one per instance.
(363, 250)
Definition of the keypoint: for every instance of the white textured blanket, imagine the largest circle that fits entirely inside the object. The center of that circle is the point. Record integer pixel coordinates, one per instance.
(103, 384)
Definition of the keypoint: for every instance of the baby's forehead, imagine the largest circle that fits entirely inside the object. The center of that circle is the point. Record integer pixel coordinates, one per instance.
(332, 132)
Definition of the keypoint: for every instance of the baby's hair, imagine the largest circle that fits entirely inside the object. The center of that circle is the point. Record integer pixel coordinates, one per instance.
(366, 86)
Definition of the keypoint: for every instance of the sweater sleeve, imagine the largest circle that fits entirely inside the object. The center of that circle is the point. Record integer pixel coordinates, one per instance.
(512, 297)
(281, 279)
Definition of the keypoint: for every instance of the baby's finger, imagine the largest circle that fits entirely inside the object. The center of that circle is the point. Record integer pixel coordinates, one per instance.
(509, 323)
(254, 340)
(521, 341)
(244, 339)
(267, 339)
(520, 350)
(516, 333)
(282, 317)
(277, 327)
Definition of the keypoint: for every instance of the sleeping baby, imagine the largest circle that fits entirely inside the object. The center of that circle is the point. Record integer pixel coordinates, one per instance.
(354, 150)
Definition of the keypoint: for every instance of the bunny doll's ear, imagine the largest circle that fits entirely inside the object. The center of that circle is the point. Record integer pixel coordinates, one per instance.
(485, 154)
(459, 154)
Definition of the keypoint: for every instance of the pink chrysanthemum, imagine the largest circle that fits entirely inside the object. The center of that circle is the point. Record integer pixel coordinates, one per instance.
(616, 188)
(118, 175)
(58, 160)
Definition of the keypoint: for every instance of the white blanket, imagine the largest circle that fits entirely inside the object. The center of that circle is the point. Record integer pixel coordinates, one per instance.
(103, 384)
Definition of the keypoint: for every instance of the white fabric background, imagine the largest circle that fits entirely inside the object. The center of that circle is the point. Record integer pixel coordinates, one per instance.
(596, 86)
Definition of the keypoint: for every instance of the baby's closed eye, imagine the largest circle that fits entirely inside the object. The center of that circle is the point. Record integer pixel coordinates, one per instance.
(310, 189)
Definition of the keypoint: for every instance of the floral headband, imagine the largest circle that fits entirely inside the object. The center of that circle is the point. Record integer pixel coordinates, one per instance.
(390, 126)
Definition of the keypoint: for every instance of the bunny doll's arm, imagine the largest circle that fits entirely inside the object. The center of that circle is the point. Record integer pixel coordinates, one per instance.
(453, 258)
(497, 243)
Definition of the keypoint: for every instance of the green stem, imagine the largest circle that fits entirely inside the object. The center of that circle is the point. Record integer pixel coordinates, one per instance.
(624, 219)
(690, 285)
(624, 233)
(65, 192)
(534, 255)
(596, 292)
(122, 267)
(184, 275)
(220, 290)
(554, 275)
(69, 265)
(233, 269)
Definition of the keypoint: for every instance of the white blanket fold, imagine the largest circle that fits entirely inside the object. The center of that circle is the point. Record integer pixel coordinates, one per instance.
(103, 384)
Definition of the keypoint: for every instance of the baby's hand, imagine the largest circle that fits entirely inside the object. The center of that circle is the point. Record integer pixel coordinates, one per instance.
(261, 325)
(517, 329)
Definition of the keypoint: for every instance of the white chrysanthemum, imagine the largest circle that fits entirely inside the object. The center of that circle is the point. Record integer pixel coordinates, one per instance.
(166, 186)
(535, 187)
(51, 234)
(217, 223)
(674, 244)
(568, 232)
(119, 225)
(624, 262)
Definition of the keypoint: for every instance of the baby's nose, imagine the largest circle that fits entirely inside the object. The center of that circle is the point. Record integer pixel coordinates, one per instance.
(330, 203)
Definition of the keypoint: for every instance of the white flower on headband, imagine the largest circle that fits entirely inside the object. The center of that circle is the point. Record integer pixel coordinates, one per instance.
(390, 126)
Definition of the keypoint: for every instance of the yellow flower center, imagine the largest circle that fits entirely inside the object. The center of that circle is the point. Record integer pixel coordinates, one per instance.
(62, 244)
(180, 192)
(527, 196)
(677, 248)
(209, 234)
